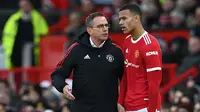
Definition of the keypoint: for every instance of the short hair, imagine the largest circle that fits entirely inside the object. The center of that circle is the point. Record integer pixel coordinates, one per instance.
(133, 8)
(90, 18)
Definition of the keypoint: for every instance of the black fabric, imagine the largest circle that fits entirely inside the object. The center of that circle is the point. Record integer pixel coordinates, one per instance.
(192, 60)
(195, 32)
(95, 79)
(24, 35)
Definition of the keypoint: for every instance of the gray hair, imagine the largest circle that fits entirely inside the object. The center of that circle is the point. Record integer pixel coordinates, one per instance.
(90, 18)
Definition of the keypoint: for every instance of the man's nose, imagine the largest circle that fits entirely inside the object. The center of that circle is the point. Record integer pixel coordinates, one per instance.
(105, 30)
(120, 22)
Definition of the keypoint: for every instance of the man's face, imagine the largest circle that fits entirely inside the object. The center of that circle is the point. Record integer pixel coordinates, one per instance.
(75, 18)
(87, 5)
(180, 4)
(194, 44)
(197, 15)
(4, 87)
(197, 107)
(25, 5)
(99, 28)
(127, 21)
(168, 5)
(29, 108)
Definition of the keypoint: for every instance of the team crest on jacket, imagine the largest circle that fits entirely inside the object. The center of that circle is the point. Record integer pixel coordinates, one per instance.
(137, 54)
(110, 58)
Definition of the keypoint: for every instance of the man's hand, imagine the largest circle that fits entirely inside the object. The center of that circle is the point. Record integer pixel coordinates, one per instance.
(67, 92)
(120, 108)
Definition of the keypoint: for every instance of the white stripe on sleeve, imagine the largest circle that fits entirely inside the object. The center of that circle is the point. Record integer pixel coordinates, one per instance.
(153, 69)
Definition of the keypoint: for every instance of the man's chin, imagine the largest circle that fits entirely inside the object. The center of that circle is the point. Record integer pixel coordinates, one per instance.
(125, 31)
(104, 38)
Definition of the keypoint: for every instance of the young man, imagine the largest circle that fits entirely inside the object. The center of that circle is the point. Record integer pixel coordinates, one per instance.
(139, 88)
(97, 65)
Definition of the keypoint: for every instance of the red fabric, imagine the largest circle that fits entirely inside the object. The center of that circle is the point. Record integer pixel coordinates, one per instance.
(61, 4)
(154, 80)
(63, 21)
(84, 14)
(60, 26)
(142, 57)
(123, 89)
(106, 10)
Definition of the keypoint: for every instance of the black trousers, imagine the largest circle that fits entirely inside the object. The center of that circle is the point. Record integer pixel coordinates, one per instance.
(76, 106)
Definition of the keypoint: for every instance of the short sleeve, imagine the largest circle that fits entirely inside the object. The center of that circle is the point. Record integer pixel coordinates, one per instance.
(152, 57)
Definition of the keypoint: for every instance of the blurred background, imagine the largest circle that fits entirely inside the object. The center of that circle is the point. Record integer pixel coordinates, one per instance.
(34, 35)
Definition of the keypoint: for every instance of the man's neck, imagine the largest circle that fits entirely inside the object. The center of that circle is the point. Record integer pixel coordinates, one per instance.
(97, 42)
(137, 32)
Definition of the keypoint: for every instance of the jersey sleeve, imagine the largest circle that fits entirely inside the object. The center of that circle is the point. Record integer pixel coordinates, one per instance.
(152, 57)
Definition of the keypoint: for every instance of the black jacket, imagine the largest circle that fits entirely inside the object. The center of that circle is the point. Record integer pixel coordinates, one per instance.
(96, 73)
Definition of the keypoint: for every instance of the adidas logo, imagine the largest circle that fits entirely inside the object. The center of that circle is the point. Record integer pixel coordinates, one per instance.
(87, 57)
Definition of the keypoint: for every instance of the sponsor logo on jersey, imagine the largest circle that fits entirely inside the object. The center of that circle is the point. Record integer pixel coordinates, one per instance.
(152, 53)
(130, 64)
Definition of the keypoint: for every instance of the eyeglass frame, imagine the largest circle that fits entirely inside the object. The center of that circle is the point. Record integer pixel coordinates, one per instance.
(101, 26)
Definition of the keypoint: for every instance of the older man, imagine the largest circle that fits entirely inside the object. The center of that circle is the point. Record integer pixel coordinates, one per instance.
(97, 64)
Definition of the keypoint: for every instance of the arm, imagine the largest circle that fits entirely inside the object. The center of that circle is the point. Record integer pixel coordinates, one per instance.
(153, 62)
(41, 27)
(8, 38)
(63, 69)
(120, 70)
(123, 89)
(154, 79)
(123, 83)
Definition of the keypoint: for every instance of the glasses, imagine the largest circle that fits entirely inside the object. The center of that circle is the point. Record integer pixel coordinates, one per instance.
(101, 26)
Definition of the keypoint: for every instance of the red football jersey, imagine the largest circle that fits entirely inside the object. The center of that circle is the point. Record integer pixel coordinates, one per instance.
(141, 56)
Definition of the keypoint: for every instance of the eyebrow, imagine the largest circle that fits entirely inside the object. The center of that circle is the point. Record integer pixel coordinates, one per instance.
(123, 17)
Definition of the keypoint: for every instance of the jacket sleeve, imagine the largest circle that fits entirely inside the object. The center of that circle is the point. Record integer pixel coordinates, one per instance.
(64, 69)
(43, 27)
(120, 70)
(122, 77)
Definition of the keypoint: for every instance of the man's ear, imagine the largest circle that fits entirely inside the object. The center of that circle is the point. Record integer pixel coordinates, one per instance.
(89, 30)
(137, 18)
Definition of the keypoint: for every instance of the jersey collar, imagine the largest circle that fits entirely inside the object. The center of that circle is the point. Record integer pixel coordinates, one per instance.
(135, 41)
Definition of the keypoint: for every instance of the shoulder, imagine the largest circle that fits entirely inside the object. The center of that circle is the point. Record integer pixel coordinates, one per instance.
(116, 46)
(127, 37)
(74, 47)
(150, 40)
(15, 16)
(151, 44)
(116, 49)
(36, 13)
